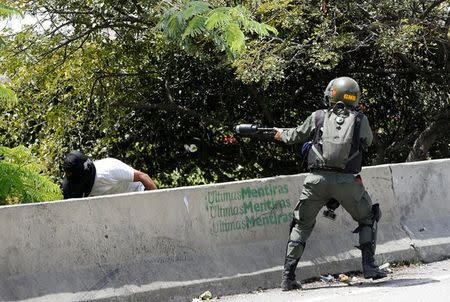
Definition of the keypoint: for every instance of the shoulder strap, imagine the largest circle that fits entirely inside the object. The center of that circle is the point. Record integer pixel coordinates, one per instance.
(319, 117)
(355, 150)
(358, 118)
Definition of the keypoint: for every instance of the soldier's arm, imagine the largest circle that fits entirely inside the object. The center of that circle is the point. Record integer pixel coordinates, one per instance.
(366, 133)
(298, 134)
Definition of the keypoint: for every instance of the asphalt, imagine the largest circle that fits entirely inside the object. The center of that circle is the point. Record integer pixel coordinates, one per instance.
(415, 282)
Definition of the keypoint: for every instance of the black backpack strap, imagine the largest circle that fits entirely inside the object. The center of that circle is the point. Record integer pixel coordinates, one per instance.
(355, 150)
(319, 117)
(356, 132)
(317, 159)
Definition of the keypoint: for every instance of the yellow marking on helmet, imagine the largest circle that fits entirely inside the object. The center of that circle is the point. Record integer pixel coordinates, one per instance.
(349, 97)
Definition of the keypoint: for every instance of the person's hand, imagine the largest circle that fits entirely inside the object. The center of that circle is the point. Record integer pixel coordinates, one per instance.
(278, 134)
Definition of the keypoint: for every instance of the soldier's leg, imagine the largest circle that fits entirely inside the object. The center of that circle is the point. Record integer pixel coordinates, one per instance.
(357, 202)
(304, 220)
(368, 241)
(294, 251)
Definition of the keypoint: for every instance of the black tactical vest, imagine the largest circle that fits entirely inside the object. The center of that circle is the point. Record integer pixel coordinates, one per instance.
(315, 155)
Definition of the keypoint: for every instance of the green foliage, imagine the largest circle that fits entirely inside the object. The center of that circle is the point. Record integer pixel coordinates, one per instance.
(139, 80)
(7, 97)
(196, 23)
(403, 39)
(261, 64)
(21, 180)
(6, 12)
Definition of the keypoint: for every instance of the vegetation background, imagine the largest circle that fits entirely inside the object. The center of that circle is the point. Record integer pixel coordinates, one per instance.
(160, 84)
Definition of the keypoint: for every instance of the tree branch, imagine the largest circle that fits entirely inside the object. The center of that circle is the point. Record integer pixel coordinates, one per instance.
(114, 75)
(169, 107)
(436, 129)
(431, 7)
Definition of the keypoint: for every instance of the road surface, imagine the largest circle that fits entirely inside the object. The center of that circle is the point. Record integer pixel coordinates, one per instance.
(417, 282)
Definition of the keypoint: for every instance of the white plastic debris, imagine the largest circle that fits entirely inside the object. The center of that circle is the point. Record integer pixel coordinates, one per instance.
(385, 267)
(206, 295)
(191, 148)
(327, 279)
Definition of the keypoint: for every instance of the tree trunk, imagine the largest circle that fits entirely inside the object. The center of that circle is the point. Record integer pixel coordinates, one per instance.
(438, 128)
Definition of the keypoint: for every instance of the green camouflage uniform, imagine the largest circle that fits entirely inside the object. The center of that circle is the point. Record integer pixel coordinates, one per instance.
(320, 187)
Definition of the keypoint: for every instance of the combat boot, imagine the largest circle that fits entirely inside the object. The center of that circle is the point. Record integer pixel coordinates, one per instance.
(370, 270)
(287, 285)
(288, 278)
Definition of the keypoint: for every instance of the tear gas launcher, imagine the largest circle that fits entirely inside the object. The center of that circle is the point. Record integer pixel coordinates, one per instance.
(254, 130)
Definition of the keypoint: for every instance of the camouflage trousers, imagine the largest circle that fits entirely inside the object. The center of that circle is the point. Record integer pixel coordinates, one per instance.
(318, 189)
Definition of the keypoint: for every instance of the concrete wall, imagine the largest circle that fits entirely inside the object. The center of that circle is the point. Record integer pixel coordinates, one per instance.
(171, 245)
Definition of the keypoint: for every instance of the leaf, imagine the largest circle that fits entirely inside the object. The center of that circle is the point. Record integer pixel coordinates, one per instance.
(21, 180)
(235, 38)
(195, 27)
(196, 8)
(7, 97)
(175, 25)
(7, 11)
(218, 17)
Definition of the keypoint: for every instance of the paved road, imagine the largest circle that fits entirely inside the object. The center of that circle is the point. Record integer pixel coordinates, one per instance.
(424, 283)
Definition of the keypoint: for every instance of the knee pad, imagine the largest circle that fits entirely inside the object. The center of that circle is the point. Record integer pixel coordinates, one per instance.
(376, 216)
(376, 212)
(371, 238)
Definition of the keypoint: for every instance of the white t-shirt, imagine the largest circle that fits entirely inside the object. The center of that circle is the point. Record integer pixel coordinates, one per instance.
(112, 177)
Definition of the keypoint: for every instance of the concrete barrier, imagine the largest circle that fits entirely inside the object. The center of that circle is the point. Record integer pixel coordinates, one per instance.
(171, 245)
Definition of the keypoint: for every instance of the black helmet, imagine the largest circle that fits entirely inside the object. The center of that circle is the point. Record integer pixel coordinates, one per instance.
(343, 89)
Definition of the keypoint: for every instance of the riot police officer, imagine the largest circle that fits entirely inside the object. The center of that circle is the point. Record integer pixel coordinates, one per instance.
(340, 135)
